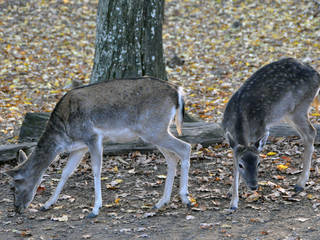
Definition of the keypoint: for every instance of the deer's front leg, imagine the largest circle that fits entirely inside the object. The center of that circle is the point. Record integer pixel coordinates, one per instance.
(72, 163)
(95, 149)
(235, 186)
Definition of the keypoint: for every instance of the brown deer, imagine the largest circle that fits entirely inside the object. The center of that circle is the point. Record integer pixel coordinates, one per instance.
(116, 110)
(280, 90)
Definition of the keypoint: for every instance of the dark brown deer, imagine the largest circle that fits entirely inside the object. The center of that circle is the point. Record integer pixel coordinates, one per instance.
(280, 90)
(118, 110)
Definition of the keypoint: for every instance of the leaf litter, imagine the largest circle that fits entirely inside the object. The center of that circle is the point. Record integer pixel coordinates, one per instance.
(211, 47)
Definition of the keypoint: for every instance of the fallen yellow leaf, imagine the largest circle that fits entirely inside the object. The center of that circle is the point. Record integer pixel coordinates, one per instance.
(253, 197)
(162, 176)
(63, 218)
(119, 181)
(310, 196)
(108, 205)
(271, 153)
(55, 91)
(282, 167)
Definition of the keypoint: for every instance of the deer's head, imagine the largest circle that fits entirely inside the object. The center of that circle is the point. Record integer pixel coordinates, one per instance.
(247, 160)
(24, 184)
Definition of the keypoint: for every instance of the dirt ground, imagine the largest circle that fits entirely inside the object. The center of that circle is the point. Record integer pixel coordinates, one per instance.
(132, 183)
(221, 43)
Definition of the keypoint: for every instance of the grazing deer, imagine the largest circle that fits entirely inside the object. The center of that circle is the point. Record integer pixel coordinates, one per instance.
(116, 110)
(282, 89)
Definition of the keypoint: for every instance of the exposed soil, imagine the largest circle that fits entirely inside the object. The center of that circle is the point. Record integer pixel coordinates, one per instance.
(133, 183)
(44, 45)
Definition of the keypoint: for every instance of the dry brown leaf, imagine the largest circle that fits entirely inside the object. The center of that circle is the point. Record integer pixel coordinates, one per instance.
(63, 218)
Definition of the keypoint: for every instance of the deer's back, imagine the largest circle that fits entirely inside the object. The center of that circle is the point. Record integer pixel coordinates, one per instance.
(270, 93)
(112, 104)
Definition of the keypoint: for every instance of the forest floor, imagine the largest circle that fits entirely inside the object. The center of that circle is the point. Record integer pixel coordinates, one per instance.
(132, 184)
(211, 47)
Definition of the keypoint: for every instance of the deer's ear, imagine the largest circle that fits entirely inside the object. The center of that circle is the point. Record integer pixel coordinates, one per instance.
(261, 142)
(230, 140)
(22, 156)
(16, 173)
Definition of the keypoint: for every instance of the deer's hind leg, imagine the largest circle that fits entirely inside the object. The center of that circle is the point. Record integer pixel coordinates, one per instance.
(307, 132)
(172, 161)
(173, 149)
(181, 150)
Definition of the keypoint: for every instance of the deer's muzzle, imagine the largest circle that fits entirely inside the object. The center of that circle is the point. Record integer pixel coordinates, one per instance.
(19, 209)
(253, 188)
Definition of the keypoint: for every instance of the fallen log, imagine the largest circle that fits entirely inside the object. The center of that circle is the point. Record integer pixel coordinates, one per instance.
(33, 125)
(9, 152)
(193, 132)
(206, 133)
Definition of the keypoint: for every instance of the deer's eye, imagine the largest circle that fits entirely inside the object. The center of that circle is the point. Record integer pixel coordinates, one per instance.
(241, 166)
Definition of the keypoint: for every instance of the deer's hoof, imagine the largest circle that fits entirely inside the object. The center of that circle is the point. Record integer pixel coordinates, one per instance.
(229, 211)
(186, 202)
(233, 208)
(92, 215)
(159, 206)
(185, 199)
(43, 209)
(298, 189)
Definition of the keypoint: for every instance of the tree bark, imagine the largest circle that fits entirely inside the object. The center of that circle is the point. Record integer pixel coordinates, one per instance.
(129, 40)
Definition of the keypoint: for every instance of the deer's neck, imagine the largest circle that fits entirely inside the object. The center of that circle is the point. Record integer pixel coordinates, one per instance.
(242, 132)
(42, 156)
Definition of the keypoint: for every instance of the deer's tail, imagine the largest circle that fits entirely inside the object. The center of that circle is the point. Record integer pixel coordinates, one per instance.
(180, 111)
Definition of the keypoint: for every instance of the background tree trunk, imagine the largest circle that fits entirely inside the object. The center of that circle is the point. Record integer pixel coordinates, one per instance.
(129, 40)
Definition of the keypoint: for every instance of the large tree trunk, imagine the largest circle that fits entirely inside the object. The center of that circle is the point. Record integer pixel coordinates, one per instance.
(129, 40)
